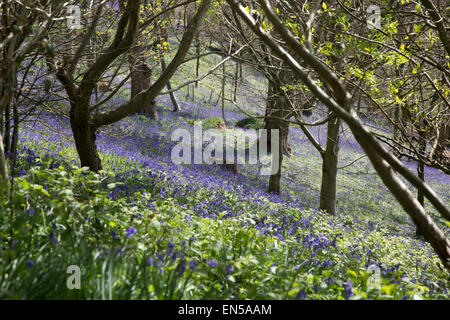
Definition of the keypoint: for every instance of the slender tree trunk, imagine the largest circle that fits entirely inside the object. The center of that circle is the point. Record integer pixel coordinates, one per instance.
(236, 77)
(329, 168)
(4, 176)
(240, 72)
(197, 66)
(223, 94)
(275, 112)
(173, 98)
(7, 136)
(15, 139)
(421, 172)
(397, 133)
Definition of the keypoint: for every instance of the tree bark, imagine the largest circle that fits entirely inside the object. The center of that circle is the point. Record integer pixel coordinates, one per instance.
(4, 176)
(173, 98)
(329, 168)
(236, 79)
(6, 138)
(197, 65)
(15, 139)
(275, 113)
(141, 79)
(421, 171)
(223, 94)
(84, 135)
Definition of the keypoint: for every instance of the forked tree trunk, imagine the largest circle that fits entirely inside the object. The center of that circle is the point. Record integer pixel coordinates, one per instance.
(329, 168)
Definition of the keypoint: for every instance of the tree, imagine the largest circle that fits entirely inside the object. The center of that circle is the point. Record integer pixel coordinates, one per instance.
(387, 166)
(17, 41)
(84, 121)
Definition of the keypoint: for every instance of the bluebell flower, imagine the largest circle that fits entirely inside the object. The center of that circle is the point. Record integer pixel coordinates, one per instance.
(301, 295)
(182, 270)
(348, 289)
(52, 235)
(131, 231)
(212, 263)
(192, 264)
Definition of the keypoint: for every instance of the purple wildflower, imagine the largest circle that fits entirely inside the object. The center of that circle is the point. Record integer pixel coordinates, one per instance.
(131, 231)
(348, 289)
(212, 263)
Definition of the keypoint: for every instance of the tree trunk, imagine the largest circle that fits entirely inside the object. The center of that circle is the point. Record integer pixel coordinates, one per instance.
(84, 135)
(275, 112)
(197, 66)
(421, 171)
(329, 168)
(4, 176)
(397, 133)
(141, 79)
(173, 98)
(6, 138)
(236, 79)
(275, 179)
(223, 94)
(443, 138)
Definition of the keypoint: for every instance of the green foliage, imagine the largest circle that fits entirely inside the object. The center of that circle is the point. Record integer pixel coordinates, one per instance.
(250, 123)
(65, 216)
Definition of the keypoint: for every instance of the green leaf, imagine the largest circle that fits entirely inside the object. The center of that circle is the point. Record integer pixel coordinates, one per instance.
(24, 184)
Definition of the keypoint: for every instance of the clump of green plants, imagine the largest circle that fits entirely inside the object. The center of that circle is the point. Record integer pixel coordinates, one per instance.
(250, 123)
(136, 234)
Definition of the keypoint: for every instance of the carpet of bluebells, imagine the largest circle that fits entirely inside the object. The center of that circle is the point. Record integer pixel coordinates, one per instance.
(144, 228)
